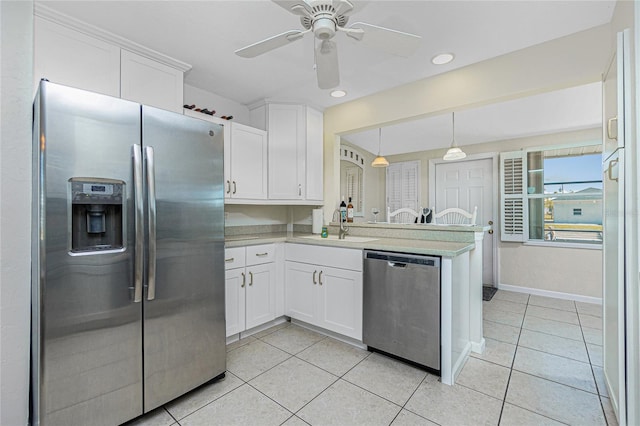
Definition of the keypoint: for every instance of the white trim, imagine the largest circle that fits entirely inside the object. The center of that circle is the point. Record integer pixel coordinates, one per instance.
(562, 146)
(462, 360)
(549, 293)
(67, 21)
(497, 210)
(541, 243)
(346, 339)
(479, 347)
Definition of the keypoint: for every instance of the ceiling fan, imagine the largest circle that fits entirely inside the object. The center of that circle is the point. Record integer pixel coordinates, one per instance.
(325, 18)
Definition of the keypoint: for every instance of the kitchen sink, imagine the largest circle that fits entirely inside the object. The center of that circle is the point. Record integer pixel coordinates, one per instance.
(347, 238)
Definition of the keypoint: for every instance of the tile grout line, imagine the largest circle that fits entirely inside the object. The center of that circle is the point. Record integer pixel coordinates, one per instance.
(513, 361)
(595, 381)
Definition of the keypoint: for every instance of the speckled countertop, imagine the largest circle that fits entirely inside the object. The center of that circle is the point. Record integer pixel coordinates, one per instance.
(428, 247)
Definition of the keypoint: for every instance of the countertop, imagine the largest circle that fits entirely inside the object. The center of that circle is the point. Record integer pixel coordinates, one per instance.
(428, 247)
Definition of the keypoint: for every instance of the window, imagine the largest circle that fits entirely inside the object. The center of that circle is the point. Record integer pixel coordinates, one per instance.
(562, 199)
(403, 185)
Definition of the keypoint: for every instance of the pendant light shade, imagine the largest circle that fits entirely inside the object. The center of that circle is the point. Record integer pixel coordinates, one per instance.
(454, 153)
(379, 161)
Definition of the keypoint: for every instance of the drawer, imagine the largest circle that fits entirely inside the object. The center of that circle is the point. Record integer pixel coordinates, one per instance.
(335, 257)
(234, 258)
(260, 254)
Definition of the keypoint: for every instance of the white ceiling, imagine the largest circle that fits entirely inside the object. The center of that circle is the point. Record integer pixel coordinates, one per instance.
(575, 108)
(206, 33)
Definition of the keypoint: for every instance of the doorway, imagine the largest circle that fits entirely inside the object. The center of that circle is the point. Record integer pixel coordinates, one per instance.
(467, 184)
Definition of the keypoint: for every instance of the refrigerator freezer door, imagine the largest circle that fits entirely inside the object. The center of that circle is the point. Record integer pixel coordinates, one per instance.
(86, 326)
(184, 322)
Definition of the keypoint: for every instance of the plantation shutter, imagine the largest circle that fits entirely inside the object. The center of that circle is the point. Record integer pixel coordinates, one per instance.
(512, 196)
(403, 185)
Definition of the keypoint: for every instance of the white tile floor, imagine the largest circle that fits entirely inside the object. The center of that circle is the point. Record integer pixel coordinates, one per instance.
(542, 365)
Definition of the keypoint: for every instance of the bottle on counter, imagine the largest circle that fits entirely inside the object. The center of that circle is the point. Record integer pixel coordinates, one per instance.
(343, 210)
(350, 211)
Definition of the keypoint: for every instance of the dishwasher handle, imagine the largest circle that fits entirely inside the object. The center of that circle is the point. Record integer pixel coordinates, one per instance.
(402, 260)
(397, 264)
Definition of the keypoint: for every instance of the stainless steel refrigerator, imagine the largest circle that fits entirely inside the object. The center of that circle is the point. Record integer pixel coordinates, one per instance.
(128, 257)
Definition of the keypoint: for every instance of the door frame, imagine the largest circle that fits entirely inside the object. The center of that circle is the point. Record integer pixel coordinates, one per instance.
(494, 157)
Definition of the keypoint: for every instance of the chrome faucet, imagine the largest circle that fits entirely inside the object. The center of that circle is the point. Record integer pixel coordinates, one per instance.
(344, 229)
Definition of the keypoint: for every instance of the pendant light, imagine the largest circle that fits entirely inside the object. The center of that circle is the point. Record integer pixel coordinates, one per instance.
(379, 161)
(454, 153)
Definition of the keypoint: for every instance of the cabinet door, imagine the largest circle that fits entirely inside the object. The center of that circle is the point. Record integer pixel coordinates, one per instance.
(314, 155)
(248, 162)
(300, 285)
(69, 57)
(260, 295)
(286, 152)
(340, 301)
(150, 83)
(234, 297)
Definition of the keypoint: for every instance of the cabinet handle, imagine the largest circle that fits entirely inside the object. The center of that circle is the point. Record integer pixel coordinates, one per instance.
(228, 187)
(314, 277)
(612, 163)
(612, 129)
(234, 186)
(244, 280)
(250, 278)
(300, 189)
(262, 254)
(231, 259)
(320, 278)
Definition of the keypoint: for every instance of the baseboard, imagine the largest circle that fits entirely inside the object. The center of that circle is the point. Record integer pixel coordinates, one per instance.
(462, 359)
(350, 340)
(479, 347)
(549, 293)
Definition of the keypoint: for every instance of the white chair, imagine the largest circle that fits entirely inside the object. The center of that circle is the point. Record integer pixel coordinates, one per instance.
(403, 215)
(456, 216)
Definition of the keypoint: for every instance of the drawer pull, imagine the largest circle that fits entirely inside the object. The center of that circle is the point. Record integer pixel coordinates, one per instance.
(320, 278)
(229, 260)
(262, 254)
(314, 277)
(251, 278)
(244, 280)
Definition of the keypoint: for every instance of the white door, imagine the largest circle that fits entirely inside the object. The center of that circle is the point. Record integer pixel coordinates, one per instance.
(300, 281)
(467, 184)
(340, 301)
(235, 282)
(260, 294)
(248, 163)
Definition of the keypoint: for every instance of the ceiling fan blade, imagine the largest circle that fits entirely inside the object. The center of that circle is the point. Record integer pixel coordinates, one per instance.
(297, 7)
(342, 7)
(271, 43)
(391, 41)
(327, 65)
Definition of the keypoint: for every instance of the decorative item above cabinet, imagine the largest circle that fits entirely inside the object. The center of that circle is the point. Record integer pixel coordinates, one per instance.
(295, 151)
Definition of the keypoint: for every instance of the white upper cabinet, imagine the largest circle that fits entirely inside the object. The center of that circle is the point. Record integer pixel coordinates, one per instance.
(76, 54)
(247, 164)
(295, 151)
(65, 56)
(151, 83)
(245, 160)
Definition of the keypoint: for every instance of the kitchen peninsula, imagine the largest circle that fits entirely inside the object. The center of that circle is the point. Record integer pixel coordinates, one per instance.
(460, 250)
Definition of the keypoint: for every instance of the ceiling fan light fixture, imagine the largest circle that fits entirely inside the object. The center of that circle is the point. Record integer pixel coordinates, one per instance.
(379, 161)
(454, 153)
(442, 58)
(338, 93)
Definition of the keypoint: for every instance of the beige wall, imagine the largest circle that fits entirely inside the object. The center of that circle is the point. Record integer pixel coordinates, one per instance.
(570, 61)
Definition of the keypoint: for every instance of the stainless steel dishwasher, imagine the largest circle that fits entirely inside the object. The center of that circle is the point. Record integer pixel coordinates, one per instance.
(402, 306)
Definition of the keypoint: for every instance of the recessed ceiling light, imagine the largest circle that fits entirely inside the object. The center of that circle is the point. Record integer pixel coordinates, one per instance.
(443, 58)
(338, 93)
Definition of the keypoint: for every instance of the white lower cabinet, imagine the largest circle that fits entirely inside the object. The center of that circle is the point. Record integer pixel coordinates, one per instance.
(328, 297)
(250, 287)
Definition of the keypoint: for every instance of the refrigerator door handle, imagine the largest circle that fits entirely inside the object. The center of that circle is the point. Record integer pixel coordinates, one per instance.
(151, 203)
(138, 220)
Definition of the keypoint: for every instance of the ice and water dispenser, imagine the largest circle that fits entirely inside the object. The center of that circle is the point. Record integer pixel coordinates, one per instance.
(97, 214)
